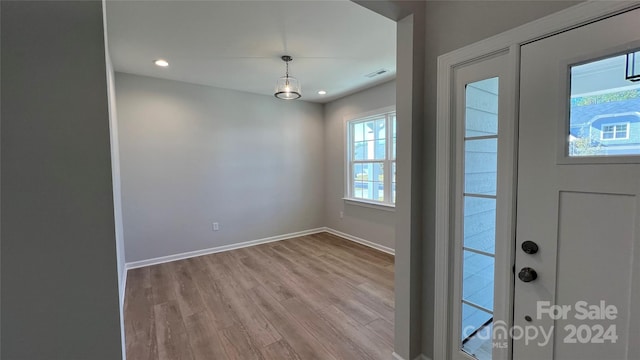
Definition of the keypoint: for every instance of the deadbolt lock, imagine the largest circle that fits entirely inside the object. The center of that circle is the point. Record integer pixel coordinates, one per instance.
(529, 247)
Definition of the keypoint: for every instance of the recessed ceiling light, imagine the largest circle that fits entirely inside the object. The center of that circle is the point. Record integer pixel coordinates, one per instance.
(161, 63)
(322, 92)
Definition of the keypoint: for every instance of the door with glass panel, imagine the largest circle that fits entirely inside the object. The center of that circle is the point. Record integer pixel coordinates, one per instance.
(577, 293)
(482, 260)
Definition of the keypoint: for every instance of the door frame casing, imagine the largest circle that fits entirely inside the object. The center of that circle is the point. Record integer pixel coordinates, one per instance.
(510, 41)
(495, 65)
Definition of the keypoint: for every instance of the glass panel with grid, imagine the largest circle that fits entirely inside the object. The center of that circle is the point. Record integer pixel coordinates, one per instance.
(618, 131)
(368, 181)
(479, 215)
(371, 158)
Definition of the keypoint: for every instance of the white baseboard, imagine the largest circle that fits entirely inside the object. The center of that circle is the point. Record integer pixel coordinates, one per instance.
(364, 242)
(395, 356)
(190, 254)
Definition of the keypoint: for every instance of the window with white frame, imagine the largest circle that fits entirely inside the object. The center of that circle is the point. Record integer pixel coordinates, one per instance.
(614, 131)
(371, 158)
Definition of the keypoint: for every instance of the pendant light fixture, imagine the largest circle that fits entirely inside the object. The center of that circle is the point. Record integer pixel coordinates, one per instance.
(287, 87)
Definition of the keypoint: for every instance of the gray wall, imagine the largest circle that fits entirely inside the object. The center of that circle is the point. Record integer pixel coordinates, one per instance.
(192, 155)
(408, 265)
(59, 282)
(451, 25)
(370, 224)
(410, 111)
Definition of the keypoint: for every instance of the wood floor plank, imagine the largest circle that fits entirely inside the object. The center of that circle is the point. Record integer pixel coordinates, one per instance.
(374, 304)
(140, 331)
(315, 247)
(304, 344)
(297, 280)
(308, 261)
(358, 250)
(359, 269)
(359, 304)
(280, 350)
(185, 288)
(382, 328)
(204, 338)
(259, 328)
(214, 300)
(379, 275)
(242, 275)
(140, 277)
(162, 283)
(320, 289)
(339, 345)
(356, 310)
(371, 267)
(314, 297)
(386, 295)
(238, 344)
(173, 343)
(366, 339)
(268, 278)
(196, 263)
(139, 305)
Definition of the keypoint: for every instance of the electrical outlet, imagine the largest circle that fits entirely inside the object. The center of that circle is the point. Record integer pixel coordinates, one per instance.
(215, 226)
(341, 214)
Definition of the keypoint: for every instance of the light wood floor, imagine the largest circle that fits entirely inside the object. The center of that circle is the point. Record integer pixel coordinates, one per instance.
(313, 297)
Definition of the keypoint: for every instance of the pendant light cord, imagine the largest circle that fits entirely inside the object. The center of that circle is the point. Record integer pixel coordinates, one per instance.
(287, 72)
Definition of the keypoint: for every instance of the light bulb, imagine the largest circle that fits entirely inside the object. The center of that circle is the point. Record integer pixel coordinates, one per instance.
(161, 63)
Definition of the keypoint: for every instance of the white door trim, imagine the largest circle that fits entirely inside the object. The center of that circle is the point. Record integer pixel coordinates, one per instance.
(561, 21)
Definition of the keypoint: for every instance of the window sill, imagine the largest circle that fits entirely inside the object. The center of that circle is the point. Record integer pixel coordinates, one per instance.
(370, 204)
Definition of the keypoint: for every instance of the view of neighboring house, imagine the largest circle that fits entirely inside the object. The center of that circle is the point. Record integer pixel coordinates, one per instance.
(605, 107)
(606, 124)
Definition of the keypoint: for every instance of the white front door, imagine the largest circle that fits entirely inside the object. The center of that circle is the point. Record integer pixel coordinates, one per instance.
(578, 195)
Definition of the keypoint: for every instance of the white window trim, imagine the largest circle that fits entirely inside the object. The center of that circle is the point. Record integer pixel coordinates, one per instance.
(370, 204)
(388, 206)
(614, 138)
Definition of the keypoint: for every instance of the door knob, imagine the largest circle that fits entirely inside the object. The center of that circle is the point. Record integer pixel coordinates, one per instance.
(529, 247)
(527, 274)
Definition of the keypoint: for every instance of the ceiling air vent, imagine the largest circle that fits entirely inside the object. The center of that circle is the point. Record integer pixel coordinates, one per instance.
(377, 73)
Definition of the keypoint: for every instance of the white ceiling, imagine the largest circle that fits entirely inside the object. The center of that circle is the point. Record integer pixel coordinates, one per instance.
(237, 44)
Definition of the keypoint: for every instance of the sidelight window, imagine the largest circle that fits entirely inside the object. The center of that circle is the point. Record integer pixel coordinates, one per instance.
(479, 216)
